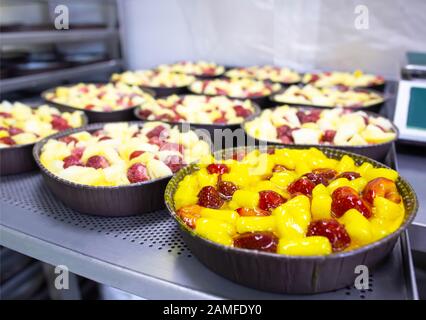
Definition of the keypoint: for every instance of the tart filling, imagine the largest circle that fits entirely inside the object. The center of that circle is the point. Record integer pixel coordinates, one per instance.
(198, 68)
(99, 97)
(20, 124)
(197, 109)
(235, 88)
(338, 127)
(122, 154)
(291, 202)
(272, 73)
(154, 78)
(329, 97)
(331, 79)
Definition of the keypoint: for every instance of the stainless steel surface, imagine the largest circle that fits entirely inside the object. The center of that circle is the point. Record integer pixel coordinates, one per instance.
(57, 36)
(17, 83)
(145, 255)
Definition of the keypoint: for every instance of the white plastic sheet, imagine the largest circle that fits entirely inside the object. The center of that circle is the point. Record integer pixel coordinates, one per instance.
(303, 34)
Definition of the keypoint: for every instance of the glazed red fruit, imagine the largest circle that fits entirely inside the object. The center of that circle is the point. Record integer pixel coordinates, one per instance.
(5, 115)
(302, 186)
(226, 189)
(137, 173)
(345, 198)
(219, 168)
(172, 147)
(328, 174)
(242, 112)
(381, 187)
(262, 241)
(269, 199)
(59, 123)
(349, 175)
(209, 197)
(77, 152)
(316, 178)
(157, 141)
(144, 113)
(174, 162)
(312, 116)
(68, 139)
(333, 231)
(157, 132)
(249, 212)
(7, 140)
(97, 162)
(190, 214)
(136, 154)
(14, 131)
(328, 136)
(284, 133)
(72, 160)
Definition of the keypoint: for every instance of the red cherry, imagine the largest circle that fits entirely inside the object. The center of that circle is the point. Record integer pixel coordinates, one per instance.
(328, 136)
(262, 241)
(350, 175)
(284, 133)
(97, 162)
(242, 112)
(172, 147)
(157, 141)
(136, 154)
(345, 198)
(269, 199)
(219, 168)
(59, 123)
(144, 114)
(328, 174)
(78, 152)
(7, 140)
(14, 131)
(226, 189)
(68, 139)
(333, 231)
(5, 115)
(157, 132)
(174, 162)
(317, 178)
(302, 185)
(209, 197)
(250, 212)
(137, 173)
(71, 160)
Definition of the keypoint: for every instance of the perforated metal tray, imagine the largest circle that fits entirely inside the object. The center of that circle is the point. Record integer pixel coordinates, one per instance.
(146, 255)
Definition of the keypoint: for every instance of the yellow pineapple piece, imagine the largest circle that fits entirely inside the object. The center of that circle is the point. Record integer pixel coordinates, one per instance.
(229, 216)
(252, 224)
(357, 226)
(215, 230)
(309, 246)
(245, 198)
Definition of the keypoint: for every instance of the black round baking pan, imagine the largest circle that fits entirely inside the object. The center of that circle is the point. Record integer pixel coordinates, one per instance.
(19, 158)
(209, 127)
(373, 107)
(97, 116)
(376, 151)
(29, 68)
(290, 274)
(166, 91)
(126, 200)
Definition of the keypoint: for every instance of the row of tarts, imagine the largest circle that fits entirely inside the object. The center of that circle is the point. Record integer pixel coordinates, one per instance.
(296, 216)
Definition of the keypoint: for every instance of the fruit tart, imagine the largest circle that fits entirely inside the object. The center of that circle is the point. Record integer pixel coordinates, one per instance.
(271, 73)
(120, 154)
(347, 79)
(236, 88)
(197, 109)
(328, 97)
(198, 68)
(296, 202)
(21, 124)
(98, 97)
(154, 78)
(336, 127)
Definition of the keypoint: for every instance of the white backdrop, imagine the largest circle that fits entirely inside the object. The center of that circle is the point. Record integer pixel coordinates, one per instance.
(303, 34)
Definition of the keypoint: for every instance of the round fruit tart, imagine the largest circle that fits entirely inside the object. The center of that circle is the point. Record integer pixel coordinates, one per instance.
(331, 79)
(98, 97)
(121, 153)
(328, 97)
(20, 124)
(235, 88)
(154, 78)
(271, 73)
(197, 109)
(199, 68)
(339, 127)
(290, 201)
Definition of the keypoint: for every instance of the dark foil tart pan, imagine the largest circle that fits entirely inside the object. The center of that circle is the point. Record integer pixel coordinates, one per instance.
(376, 151)
(373, 108)
(19, 158)
(108, 201)
(166, 91)
(97, 116)
(209, 127)
(290, 274)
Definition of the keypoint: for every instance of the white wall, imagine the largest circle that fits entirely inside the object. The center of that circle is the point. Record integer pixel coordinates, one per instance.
(304, 34)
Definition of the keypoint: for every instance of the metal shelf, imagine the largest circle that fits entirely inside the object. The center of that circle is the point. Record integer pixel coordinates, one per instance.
(56, 36)
(145, 255)
(57, 75)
